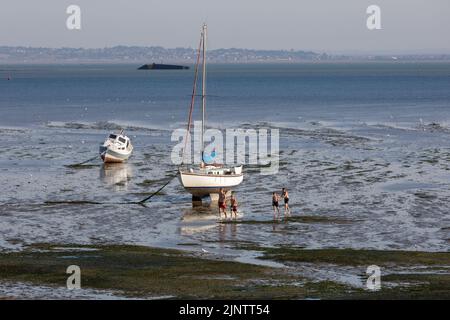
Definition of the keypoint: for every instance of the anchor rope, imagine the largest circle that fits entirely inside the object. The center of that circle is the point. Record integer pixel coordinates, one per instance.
(169, 180)
(141, 202)
(81, 163)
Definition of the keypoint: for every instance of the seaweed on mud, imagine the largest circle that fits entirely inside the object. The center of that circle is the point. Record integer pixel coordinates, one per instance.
(355, 257)
(141, 271)
(425, 195)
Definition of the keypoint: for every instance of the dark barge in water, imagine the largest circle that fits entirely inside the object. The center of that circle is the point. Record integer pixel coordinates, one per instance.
(159, 66)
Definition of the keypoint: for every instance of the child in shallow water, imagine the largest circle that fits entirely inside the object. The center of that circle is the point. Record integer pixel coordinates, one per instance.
(233, 205)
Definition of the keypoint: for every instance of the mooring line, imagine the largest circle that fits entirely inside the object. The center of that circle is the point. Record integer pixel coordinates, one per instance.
(82, 202)
(71, 202)
(142, 202)
(81, 163)
(159, 190)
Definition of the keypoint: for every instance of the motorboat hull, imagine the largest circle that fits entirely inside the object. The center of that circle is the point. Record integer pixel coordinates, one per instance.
(110, 156)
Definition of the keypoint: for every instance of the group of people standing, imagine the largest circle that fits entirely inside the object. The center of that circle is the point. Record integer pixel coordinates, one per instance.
(276, 206)
(234, 203)
(223, 204)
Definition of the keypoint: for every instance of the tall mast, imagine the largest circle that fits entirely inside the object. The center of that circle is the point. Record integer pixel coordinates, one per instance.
(203, 85)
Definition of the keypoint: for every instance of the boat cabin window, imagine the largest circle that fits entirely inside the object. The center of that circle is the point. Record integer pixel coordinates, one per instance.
(122, 140)
(112, 136)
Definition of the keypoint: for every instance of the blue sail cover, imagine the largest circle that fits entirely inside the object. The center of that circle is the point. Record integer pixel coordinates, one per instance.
(209, 159)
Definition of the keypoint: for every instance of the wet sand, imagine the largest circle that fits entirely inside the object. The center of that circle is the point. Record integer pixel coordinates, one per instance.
(133, 272)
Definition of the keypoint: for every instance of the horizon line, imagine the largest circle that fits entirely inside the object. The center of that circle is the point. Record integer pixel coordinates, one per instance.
(349, 52)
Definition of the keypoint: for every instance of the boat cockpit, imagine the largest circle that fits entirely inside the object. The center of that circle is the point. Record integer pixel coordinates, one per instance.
(214, 170)
(120, 140)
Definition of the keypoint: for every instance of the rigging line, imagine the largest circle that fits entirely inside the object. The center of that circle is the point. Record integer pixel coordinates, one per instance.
(194, 90)
(211, 95)
(203, 86)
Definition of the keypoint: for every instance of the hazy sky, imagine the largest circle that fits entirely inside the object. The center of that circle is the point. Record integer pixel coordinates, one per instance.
(408, 26)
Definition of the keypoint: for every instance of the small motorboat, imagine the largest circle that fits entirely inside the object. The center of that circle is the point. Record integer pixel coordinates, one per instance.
(116, 148)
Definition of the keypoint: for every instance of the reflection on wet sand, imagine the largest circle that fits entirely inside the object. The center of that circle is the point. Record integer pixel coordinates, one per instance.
(117, 175)
(198, 219)
(200, 213)
(227, 228)
(202, 219)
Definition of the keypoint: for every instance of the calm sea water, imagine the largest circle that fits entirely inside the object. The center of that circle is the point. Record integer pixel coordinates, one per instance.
(365, 145)
(382, 93)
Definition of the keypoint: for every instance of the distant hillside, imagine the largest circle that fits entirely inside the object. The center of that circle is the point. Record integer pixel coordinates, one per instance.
(141, 55)
(147, 55)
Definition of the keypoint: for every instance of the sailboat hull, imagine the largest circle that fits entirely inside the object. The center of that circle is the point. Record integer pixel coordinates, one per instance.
(210, 178)
(201, 185)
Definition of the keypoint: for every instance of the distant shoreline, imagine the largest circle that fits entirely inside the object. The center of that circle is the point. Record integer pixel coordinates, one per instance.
(137, 64)
(142, 55)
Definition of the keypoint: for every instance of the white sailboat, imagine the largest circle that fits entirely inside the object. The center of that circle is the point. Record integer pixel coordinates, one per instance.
(116, 148)
(207, 179)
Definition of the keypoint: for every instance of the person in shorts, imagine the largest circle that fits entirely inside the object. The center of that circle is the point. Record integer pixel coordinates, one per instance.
(285, 196)
(275, 206)
(222, 204)
(233, 205)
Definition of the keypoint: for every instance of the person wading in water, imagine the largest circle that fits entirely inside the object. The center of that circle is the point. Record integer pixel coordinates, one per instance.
(233, 206)
(276, 210)
(222, 204)
(285, 196)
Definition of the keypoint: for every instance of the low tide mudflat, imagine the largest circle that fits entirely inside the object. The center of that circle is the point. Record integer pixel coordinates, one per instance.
(144, 272)
(364, 153)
